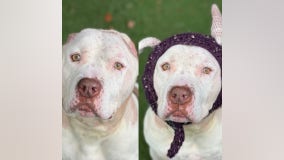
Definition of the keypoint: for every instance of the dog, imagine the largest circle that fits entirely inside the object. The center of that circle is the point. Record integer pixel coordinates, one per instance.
(187, 82)
(100, 108)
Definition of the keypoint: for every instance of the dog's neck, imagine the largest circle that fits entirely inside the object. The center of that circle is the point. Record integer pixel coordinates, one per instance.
(92, 128)
(205, 125)
(202, 126)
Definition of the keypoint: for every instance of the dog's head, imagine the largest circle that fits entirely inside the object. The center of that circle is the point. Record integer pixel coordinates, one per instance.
(99, 72)
(186, 77)
(187, 81)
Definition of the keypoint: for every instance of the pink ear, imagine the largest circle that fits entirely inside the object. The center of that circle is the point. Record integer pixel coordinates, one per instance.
(130, 44)
(132, 48)
(71, 36)
(126, 39)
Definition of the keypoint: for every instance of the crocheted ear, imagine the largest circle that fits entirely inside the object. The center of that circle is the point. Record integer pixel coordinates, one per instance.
(147, 42)
(71, 36)
(216, 28)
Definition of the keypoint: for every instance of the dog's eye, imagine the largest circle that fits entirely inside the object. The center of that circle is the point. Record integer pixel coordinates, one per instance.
(76, 57)
(166, 66)
(118, 66)
(206, 70)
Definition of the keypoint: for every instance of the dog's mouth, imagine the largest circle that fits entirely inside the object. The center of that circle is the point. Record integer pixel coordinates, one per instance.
(84, 109)
(180, 116)
(88, 110)
(84, 105)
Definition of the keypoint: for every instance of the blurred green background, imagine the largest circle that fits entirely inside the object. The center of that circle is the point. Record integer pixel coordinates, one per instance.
(139, 19)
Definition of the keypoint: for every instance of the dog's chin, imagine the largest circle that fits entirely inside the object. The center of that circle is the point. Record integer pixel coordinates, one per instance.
(178, 113)
(178, 119)
(87, 111)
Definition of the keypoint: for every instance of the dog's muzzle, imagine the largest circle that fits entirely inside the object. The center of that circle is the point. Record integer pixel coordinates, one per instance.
(88, 94)
(89, 88)
(180, 100)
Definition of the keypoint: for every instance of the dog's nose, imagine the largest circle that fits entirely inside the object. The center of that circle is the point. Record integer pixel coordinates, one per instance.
(89, 87)
(180, 95)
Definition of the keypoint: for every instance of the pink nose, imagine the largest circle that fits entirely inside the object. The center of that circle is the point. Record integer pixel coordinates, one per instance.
(89, 87)
(180, 95)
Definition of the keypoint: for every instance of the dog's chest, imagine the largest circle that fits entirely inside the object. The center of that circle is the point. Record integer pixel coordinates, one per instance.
(196, 148)
(74, 149)
(202, 146)
(117, 146)
(200, 150)
(205, 144)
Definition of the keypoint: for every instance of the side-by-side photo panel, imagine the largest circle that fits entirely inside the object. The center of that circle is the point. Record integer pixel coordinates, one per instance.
(180, 66)
(99, 81)
(141, 80)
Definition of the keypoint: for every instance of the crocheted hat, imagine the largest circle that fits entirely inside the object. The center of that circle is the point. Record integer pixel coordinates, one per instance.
(192, 39)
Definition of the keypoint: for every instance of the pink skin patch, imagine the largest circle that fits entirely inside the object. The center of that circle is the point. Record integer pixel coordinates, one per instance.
(84, 57)
(199, 69)
(112, 61)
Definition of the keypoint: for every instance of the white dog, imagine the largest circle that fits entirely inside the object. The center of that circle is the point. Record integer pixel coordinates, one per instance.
(100, 68)
(187, 82)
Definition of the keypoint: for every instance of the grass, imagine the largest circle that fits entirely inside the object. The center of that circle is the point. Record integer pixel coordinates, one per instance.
(158, 18)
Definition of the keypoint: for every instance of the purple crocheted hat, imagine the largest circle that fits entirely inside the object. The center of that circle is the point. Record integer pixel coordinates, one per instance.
(191, 39)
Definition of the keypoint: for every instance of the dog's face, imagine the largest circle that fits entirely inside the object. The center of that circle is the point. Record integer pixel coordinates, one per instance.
(187, 80)
(99, 71)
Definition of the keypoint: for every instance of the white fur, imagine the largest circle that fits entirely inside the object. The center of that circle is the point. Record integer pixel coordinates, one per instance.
(112, 133)
(203, 138)
(203, 141)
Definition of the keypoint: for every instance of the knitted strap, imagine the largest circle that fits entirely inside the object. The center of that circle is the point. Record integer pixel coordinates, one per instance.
(178, 138)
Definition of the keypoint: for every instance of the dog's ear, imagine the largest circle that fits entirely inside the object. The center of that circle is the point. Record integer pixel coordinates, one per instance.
(148, 42)
(126, 39)
(130, 44)
(216, 28)
(71, 36)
